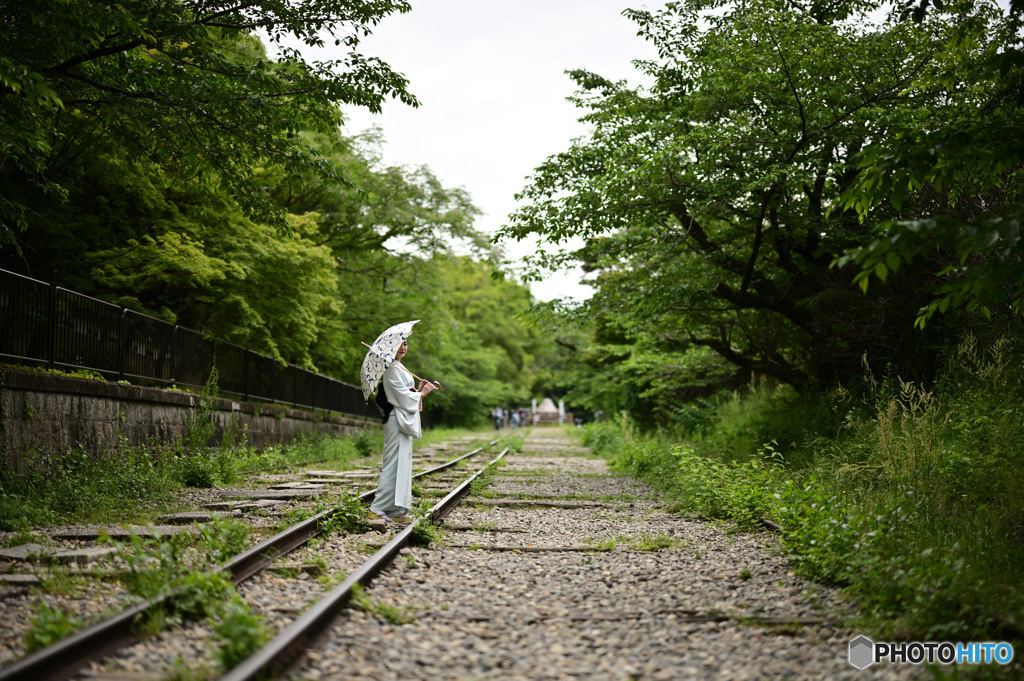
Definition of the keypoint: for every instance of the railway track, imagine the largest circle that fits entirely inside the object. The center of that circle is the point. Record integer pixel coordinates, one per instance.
(66, 657)
(553, 569)
(556, 569)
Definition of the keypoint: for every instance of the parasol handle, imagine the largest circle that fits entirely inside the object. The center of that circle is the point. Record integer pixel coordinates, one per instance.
(436, 384)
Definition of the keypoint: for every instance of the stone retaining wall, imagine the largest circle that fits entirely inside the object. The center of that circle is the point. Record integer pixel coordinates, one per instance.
(49, 413)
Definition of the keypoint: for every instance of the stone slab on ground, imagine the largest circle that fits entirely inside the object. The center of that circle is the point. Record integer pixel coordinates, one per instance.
(480, 528)
(298, 486)
(33, 552)
(19, 579)
(574, 548)
(245, 505)
(107, 675)
(276, 494)
(338, 474)
(25, 552)
(332, 481)
(87, 555)
(189, 517)
(93, 532)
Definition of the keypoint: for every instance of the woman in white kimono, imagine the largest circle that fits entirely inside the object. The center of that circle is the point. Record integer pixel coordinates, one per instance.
(393, 500)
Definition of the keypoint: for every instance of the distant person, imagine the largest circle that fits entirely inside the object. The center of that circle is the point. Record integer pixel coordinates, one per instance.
(393, 501)
(498, 415)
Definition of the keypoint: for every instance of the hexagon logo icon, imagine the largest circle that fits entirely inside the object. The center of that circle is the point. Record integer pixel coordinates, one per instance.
(862, 652)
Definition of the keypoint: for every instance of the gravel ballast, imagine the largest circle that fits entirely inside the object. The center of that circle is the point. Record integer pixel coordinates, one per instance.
(706, 604)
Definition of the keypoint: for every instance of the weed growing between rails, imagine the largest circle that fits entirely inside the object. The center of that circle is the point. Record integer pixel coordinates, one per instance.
(199, 466)
(50, 624)
(349, 515)
(185, 565)
(909, 498)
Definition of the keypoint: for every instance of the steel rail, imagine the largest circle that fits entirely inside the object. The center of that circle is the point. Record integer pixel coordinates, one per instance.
(61, 660)
(288, 648)
(256, 558)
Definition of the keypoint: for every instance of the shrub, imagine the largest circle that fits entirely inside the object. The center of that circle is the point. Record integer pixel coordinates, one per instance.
(606, 438)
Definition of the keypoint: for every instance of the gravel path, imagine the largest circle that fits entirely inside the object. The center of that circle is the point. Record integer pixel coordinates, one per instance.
(658, 597)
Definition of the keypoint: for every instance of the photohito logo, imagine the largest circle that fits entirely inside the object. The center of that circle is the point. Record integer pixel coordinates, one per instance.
(865, 652)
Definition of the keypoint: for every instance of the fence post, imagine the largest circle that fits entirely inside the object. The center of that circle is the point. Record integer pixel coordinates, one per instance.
(51, 349)
(245, 374)
(174, 354)
(122, 343)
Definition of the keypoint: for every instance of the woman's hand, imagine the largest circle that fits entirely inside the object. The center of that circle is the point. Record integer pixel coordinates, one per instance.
(426, 387)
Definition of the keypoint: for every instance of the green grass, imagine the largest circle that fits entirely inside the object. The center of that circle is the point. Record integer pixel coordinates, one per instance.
(648, 542)
(388, 613)
(910, 499)
(135, 484)
(603, 545)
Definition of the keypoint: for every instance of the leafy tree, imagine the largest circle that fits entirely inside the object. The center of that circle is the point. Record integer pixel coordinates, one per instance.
(966, 172)
(126, 235)
(707, 203)
(182, 83)
(382, 233)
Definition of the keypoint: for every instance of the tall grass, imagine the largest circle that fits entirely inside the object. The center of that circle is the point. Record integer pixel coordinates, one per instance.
(911, 499)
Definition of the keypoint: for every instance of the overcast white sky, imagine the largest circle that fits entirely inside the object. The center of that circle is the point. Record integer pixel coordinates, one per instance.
(490, 78)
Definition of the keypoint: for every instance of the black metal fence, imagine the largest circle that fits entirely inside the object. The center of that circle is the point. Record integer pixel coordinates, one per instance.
(42, 324)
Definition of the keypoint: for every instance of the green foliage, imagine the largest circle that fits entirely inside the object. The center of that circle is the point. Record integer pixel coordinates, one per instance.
(606, 438)
(908, 499)
(239, 634)
(75, 485)
(49, 625)
(387, 612)
(368, 443)
(187, 82)
(181, 671)
(349, 515)
(201, 594)
(962, 172)
(249, 217)
(644, 542)
(709, 218)
(199, 463)
(740, 492)
(425, 533)
(157, 567)
(224, 539)
(129, 485)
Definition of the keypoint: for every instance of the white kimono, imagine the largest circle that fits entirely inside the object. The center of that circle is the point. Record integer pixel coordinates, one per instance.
(394, 488)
